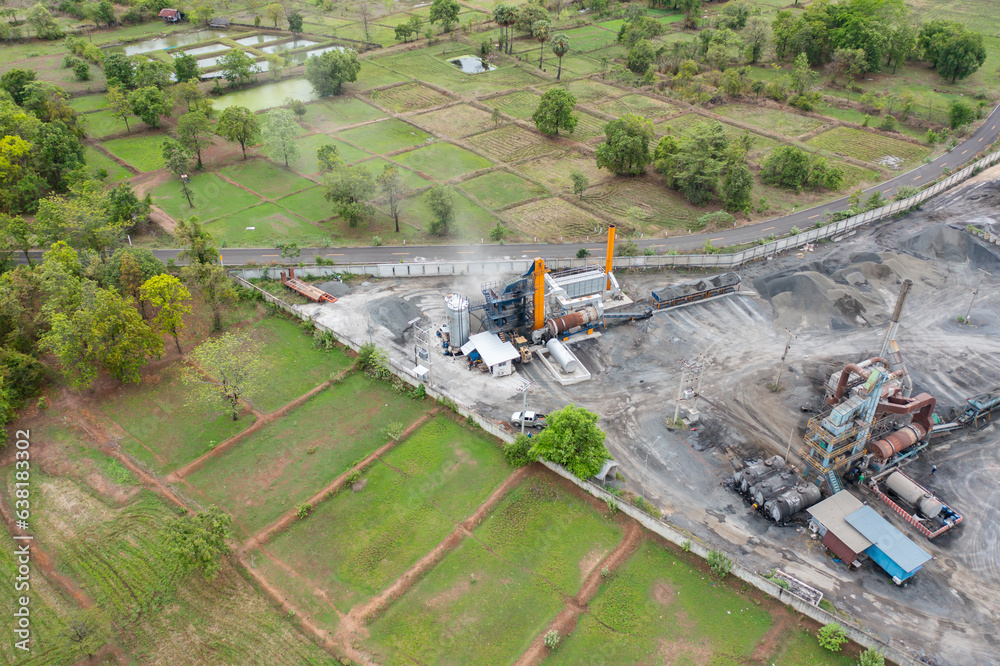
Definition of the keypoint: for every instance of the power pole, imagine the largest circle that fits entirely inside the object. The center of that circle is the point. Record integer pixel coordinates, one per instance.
(523, 390)
(976, 293)
(781, 364)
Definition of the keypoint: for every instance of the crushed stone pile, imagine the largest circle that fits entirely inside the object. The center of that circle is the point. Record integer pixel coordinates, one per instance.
(945, 243)
(394, 314)
(335, 288)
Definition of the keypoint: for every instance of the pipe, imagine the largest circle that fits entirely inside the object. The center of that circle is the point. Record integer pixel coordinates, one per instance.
(900, 440)
(861, 371)
(539, 295)
(572, 320)
(609, 259)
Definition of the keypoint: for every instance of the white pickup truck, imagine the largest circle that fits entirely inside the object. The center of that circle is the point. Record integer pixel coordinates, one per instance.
(531, 420)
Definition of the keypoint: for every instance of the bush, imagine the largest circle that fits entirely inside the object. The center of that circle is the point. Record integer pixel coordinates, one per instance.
(304, 510)
(582, 253)
(605, 572)
(81, 71)
(960, 113)
(872, 657)
(376, 241)
(888, 124)
(719, 563)
(627, 248)
(794, 231)
(832, 637)
(931, 137)
(612, 506)
(498, 233)
(352, 478)
(552, 639)
(419, 392)
(517, 453)
(717, 220)
(393, 431)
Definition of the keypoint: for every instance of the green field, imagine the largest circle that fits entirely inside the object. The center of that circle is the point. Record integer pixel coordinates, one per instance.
(443, 160)
(310, 204)
(869, 147)
(88, 103)
(265, 178)
(143, 153)
(386, 136)
(307, 163)
(499, 189)
(97, 160)
(783, 122)
(327, 115)
(472, 222)
(265, 225)
(212, 197)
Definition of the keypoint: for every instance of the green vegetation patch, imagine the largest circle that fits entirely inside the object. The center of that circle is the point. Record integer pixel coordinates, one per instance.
(97, 160)
(386, 136)
(869, 147)
(273, 471)
(409, 97)
(264, 225)
(442, 160)
(648, 107)
(145, 153)
(658, 606)
(372, 76)
(488, 599)
(330, 114)
(554, 170)
(499, 189)
(520, 104)
(212, 197)
(310, 204)
(643, 205)
(799, 646)
(88, 103)
(168, 433)
(265, 178)
(591, 92)
(783, 122)
(513, 143)
(549, 220)
(401, 509)
(458, 121)
(307, 162)
(472, 222)
(411, 180)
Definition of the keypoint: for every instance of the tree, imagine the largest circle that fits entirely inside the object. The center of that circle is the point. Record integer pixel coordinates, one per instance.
(960, 113)
(794, 169)
(42, 23)
(199, 245)
(168, 294)
(119, 105)
(351, 189)
(296, 106)
(850, 63)
(961, 55)
(152, 73)
(445, 11)
(104, 12)
(640, 56)
(194, 132)
(528, 14)
(392, 189)
(215, 286)
(328, 158)
(149, 104)
(832, 637)
(403, 32)
(186, 68)
(56, 152)
(517, 453)
(199, 541)
(555, 112)
(802, 75)
(560, 47)
(228, 370)
(505, 16)
(280, 132)
(275, 12)
(756, 36)
(441, 201)
(694, 162)
(82, 220)
(130, 281)
(17, 234)
(573, 440)
(737, 188)
(626, 149)
(295, 22)
(140, 261)
(239, 124)
(580, 182)
(16, 81)
(103, 334)
(540, 31)
(177, 160)
(119, 70)
(329, 71)
(902, 43)
(871, 657)
(690, 9)
(237, 67)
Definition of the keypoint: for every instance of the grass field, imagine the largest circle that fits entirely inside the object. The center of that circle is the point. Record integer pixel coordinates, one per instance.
(499, 189)
(512, 143)
(280, 466)
(519, 104)
(328, 115)
(486, 601)
(433, 480)
(458, 121)
(88, 103)
(442, 159)
(265, 178)
(142, 152)
(647, 107)
(212, 197)
(472, 222)
(783, 122)
(97, 160)
(386, 136)
(869, 147)
(308, 164)
(310, 204)
(265, 225)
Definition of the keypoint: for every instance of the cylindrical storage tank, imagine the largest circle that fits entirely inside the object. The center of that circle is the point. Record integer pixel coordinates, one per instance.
(759, 470)
(458, 319)
(792, 501)
(902, 439)
(914, 495)
(561, 354)
(770, 487)
(587, 315)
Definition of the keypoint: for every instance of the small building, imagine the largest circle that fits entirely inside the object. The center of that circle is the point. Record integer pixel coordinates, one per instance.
(829, 520)
(890, 549)
(171, 15)
(220, 23)
(495, 353)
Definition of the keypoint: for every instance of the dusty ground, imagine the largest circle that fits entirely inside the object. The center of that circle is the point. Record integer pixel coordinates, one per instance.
(836, 301)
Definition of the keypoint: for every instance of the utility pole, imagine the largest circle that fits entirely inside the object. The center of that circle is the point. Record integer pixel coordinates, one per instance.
(184, 186)
(523, 390)
(691, 374)
(781, 364)
(645, 466)
(976, 293)
(422, 343)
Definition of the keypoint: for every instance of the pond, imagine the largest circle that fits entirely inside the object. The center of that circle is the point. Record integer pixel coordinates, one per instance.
(257, 39)
(267, 95)
(211, 48)
(289, 46)
(305, 55)
(171, 41)
(471, 64)
(210, 62)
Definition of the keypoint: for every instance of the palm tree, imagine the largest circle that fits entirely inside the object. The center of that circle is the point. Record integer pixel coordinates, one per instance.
(505, 16)
(560, 46)
(540, 31)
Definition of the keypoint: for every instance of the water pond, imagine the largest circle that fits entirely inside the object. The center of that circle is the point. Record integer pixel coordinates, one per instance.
(267, 95)
(171, 41)
(289, 46)
(471, 64)
(257, 39)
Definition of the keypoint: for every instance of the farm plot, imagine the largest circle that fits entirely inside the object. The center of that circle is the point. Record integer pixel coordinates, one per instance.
(591, 92)
(579, 65)
(588, 127)
(648, 107)
(97, 160)
(424, 67)
(328, 115)
(167, 432)
(590, 38)
(504, 78)
(144, 153)
(871, 148)
(520, 104)
(549, 220)
(265, 178)
(442, 160)
(455, 121)
(310, 204)
(643, 205)
(554, 170)
(679, 124)
(265, 225)
(409, 97)
(499, 189)
(372, 76)
(308, 164)
(658, 605)
(212, 197)
(386, 136)
(432, 481)
(410, 179)
(486, 601)
(782, 122)
(280, 466)
(472, 222)
(512, 143)
(88, 103)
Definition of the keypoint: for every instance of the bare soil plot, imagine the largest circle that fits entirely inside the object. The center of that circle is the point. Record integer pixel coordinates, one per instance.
(870, 147)
(549, 220)
(409, 97)
(512, 143)
(457, 121)
(647, 107)
(658, 208)
(554, 170)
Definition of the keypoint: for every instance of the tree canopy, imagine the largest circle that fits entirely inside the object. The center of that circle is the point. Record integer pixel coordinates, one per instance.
(555, 112)
(199, 541)
(230, 370)
(328, 72)
(280, 133)
(625, 152)
(573, 440)
(239, 124)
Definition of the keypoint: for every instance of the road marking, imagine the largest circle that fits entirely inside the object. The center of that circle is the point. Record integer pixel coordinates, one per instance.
(965, 151)
(916, 178)
(768, 229)
(981, 138)
(335, 255)
(270, 255)
(994, 127)
(664, 245)
(816, 215)
(400, 253)
(719, 238)
(466, 253)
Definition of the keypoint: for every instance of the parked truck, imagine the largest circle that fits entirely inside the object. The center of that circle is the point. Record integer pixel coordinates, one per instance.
(531, 420)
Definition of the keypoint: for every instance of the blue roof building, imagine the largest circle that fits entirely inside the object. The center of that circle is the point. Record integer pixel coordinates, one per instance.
(890, 549)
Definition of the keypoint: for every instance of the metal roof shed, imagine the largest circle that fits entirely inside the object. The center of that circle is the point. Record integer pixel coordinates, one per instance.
(890, 549)
(496, 353)
(830, 518)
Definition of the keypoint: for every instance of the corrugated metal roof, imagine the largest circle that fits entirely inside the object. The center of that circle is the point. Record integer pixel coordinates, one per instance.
(492, 349)
(831, 513)
(908, 555)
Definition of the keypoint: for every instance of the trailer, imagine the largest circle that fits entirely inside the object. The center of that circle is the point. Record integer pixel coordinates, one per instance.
(929, 516)
(980, 410)
(695, 290)
(312, 292)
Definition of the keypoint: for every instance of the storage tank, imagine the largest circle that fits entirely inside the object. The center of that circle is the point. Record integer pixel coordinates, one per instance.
(758, 471)
(914, 495)
(561, 354)
(792, 501)
(902, 439)
(771, 487)
(587, 315)
(458, 319)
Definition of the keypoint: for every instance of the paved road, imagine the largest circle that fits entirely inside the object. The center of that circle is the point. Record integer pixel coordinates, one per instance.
(922, 175)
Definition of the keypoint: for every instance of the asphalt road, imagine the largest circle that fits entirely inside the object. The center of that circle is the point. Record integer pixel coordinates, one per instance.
(927, 173)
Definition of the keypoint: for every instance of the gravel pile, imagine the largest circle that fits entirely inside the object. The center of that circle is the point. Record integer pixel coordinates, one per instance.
(394, 314)
(335, 288)
(946, 243)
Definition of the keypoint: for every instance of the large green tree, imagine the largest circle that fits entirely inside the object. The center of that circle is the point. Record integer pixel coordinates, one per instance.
(573, 440)
(555, 112)
(149, 104)
(328, 72)
(194, 132)
(214, 285)
(445, 12)
(961, 56)
(15, 82)
(186, 68)
(199, 541)
(119, 70)
(280, 133)
(694, 161)
(197, 243)
(237, 67)
(170, 297)
(625, 151)
(505, 15)
(351, 189)
(228, 371)
(239, 124)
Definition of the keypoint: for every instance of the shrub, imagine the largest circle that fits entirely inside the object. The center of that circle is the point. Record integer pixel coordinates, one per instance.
(498, 233)
(352, 478)
(605, 572)
(718, 220)
(719, 563)
(866, 121)
(905, 192)
(686, 546)
(304, 510)
(81, 71)
(872, 657)
(376, 241)
(517, 453)
(552, 639)
(627, 248)
(393, 430)
(888, 124)
(418, 392)
(960, 113)
(43, 403)
(832, 637)
(612, 506)
(931, 137)
(582, 253)
(794, 231)
(647, 506)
